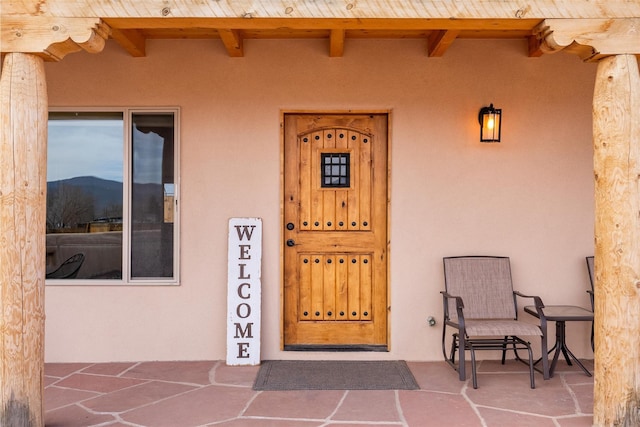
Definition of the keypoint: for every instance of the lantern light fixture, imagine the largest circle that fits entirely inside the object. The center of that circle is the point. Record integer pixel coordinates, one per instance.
(490, 123)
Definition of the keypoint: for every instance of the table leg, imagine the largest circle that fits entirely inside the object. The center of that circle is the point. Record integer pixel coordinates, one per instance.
(561, 346)
(558, 346)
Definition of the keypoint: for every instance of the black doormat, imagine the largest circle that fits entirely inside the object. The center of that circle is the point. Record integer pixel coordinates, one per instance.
(334, 375)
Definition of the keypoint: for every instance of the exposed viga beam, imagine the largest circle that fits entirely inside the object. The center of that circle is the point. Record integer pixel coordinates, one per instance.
(232, 40)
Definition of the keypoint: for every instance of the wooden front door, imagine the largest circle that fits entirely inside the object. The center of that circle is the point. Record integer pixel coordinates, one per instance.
(335, 231)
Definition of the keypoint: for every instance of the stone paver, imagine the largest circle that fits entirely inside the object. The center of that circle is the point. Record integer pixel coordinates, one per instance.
(75, 416)
(368, 405)
(114, 369)
(303, 404)
(433, 409)
(496, 417)
(135, 397)
(57, 397)
(182, 372)
(199, 407)
(97, 383)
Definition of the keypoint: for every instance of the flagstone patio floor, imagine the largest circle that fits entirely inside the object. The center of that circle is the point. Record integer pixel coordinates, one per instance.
(209, 393)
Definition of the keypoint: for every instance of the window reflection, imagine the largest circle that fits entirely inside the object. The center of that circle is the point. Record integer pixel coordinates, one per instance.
(152, 195)
(85, 195)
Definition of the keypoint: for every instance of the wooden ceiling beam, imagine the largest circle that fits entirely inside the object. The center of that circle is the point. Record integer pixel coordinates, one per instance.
(439, 41)
(324, 24)
(336, 43)
(232, 40)
(534, 45)
(133, 41)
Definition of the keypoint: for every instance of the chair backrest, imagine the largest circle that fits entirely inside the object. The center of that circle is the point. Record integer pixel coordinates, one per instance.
(484, 283)
(592, 276)
(69, 268)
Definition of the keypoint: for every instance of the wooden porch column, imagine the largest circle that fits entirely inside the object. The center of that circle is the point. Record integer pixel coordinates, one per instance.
(23, 145)
(614, 43)
(616, 134)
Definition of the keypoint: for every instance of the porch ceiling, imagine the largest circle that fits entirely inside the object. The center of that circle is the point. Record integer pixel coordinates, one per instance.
(54, 28)
(131, 33)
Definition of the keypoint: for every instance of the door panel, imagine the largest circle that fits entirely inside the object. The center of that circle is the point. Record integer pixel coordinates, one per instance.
(335, 211)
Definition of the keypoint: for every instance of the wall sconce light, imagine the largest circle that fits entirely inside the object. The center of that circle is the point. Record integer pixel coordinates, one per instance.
(490, 123)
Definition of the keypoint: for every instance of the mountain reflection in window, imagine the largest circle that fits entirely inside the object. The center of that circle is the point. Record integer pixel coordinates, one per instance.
(85, 194)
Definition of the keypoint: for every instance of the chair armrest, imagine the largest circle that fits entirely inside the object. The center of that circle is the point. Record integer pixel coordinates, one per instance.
(459, 307)
(447, 296)
(592, 300)
(536, 299)
(539, 306)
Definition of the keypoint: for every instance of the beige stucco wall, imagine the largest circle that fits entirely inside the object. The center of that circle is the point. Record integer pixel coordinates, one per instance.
(530, 197)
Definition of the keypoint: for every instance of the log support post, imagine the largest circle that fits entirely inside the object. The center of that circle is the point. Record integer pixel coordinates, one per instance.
(614, 43)
(23, 150)
(616, 134)
(23, 184)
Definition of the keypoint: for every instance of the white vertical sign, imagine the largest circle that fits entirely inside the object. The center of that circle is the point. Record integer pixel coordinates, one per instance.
(244, 291)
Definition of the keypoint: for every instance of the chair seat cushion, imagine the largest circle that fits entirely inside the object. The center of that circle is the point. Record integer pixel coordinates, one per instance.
(477, 328)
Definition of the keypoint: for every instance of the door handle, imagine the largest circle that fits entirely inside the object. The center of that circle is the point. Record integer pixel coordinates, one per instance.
(291, 242)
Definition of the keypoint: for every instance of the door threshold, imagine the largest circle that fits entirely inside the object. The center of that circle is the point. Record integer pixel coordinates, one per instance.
(335, 348)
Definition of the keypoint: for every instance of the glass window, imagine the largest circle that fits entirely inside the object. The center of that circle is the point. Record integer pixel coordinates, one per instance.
(111, 197)
(152, 195)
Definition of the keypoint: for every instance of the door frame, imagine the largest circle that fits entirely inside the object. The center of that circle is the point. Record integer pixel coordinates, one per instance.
(283, 113)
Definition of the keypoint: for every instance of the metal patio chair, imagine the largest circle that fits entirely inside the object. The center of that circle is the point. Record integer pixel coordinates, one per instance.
(592, 279)
(480, 306)
(68, 269)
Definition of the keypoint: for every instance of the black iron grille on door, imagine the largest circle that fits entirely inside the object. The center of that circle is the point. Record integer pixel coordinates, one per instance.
(335, 170)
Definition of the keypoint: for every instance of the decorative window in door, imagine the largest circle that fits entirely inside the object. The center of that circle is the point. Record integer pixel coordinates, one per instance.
(335, 170)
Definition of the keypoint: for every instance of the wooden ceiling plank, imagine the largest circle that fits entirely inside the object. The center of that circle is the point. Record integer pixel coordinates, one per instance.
(439, 41)
(378, 9)
(184, 33)
(133, 41)
(336, 43)
(232, 40)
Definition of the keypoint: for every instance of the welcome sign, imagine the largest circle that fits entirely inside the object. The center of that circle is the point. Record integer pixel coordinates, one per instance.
(244, 291)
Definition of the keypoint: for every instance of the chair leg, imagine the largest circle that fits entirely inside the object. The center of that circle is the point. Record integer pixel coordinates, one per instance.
(531, 374)
(515, 351)
(454, 348)
(545, 358)
(462, 346)
(452, 352)
(474, 371)
(504, 349)
(450, 358)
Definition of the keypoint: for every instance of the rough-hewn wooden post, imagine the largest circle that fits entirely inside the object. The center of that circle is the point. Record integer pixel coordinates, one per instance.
(616, 131)
(23, 142)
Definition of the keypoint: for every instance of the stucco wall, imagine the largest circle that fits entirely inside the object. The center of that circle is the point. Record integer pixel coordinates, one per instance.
(529, 197)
